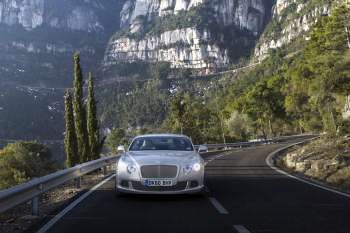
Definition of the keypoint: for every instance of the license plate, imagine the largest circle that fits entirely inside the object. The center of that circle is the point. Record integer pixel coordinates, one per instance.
(155, 183)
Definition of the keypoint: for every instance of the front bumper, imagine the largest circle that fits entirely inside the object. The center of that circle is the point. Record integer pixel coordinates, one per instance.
(136, 190)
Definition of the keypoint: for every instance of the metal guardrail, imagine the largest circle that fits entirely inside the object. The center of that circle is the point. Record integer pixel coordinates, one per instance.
(19, 194)
(256, 143)
(31, 191)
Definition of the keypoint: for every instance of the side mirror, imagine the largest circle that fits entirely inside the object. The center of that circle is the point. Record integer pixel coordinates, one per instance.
(202, 148)
(121, 149)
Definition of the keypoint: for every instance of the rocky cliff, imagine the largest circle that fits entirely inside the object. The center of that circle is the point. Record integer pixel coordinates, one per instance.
(325, 160)
(37, 42)
(187, 33)
(185, 48)
(291, 19)
(40, 36)
(246, 14)
(73, 15)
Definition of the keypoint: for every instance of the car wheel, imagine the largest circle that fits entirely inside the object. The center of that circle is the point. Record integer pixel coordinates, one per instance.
(116, 190)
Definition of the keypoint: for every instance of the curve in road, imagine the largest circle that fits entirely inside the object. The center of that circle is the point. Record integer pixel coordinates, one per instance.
(244, 195)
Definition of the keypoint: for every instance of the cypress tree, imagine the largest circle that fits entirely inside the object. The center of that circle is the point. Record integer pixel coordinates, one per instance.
(80, 112)
(92, 122)
(70, 140)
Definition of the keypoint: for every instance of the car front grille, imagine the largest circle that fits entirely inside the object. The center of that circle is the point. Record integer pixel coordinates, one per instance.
(178, 187)
(158, 171)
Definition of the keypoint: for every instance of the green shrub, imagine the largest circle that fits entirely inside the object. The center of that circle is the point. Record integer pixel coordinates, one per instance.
(116, 138)
(22, 161)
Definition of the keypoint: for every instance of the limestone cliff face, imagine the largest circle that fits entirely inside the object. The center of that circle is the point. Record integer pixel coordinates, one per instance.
(185, 48)
(29, 13)
(346, 110)
(191, 46)
(293, 19)
(40, 36)
(247, 14)
(32, 14)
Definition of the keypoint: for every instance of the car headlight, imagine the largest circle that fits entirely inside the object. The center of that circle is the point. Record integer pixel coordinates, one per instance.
(131, 168)
(196, 167)
(193, 167)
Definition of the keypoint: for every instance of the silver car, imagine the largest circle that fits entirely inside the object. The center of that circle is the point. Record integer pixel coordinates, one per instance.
(160, 164)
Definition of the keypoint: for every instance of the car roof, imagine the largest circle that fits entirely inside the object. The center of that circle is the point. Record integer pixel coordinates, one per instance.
(163, 135)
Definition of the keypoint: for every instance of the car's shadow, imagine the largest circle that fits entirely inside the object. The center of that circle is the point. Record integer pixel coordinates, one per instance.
(164, 197)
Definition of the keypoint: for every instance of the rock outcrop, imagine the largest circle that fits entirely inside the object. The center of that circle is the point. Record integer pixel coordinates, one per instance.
(187, 47)
(40, 36)
(322, 160)
(291, 19)
(31, 14)
(346, 111)
(247, 14)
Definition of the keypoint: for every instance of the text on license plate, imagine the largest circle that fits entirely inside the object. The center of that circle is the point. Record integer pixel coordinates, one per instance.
(158, 182)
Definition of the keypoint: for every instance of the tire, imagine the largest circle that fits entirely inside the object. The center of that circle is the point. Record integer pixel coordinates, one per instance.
(117, 192)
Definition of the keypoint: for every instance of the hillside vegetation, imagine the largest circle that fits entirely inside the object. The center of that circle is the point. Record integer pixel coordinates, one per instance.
(22, 161)
(305, 92)
(285, 94)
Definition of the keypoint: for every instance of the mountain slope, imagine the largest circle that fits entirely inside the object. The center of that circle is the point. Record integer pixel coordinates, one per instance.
(39, 37)
(37, 42)
(290, 22)
(188, 33)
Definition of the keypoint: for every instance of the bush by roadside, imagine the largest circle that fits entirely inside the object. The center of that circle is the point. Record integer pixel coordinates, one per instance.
(22, 161)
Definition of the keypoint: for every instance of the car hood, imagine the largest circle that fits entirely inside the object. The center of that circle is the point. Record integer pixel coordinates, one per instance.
(163, 157)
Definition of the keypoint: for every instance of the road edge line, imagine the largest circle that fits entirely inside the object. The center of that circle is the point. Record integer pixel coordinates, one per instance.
(60, 215)
(270, 162)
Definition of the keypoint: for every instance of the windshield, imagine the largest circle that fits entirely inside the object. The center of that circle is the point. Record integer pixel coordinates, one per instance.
(161, 143)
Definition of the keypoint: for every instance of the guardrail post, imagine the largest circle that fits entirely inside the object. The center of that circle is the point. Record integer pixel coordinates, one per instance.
(78, 182)
(104, 170)
(35, 206)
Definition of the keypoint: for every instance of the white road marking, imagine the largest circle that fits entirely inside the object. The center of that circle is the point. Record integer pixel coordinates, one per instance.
(54, 220)
(219, 156)
(218, 205)
(241, 229)
(269, 162)
(224, 153)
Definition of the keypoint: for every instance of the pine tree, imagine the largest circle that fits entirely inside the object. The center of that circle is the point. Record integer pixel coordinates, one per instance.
(70, 140)
(92, 122)
(80, 112)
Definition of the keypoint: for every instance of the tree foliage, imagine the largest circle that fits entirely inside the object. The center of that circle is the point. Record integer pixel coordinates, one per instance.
(301, 93)
(93, 129)
(288, 93)
(116, 138)
(82, 140)
(70, 139)
(22, 161)
(191, 116)
(80, 112)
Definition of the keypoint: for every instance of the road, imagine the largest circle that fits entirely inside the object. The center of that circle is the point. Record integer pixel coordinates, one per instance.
(244, 195)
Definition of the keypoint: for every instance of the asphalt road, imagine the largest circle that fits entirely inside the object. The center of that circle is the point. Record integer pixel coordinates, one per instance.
(244, 195)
